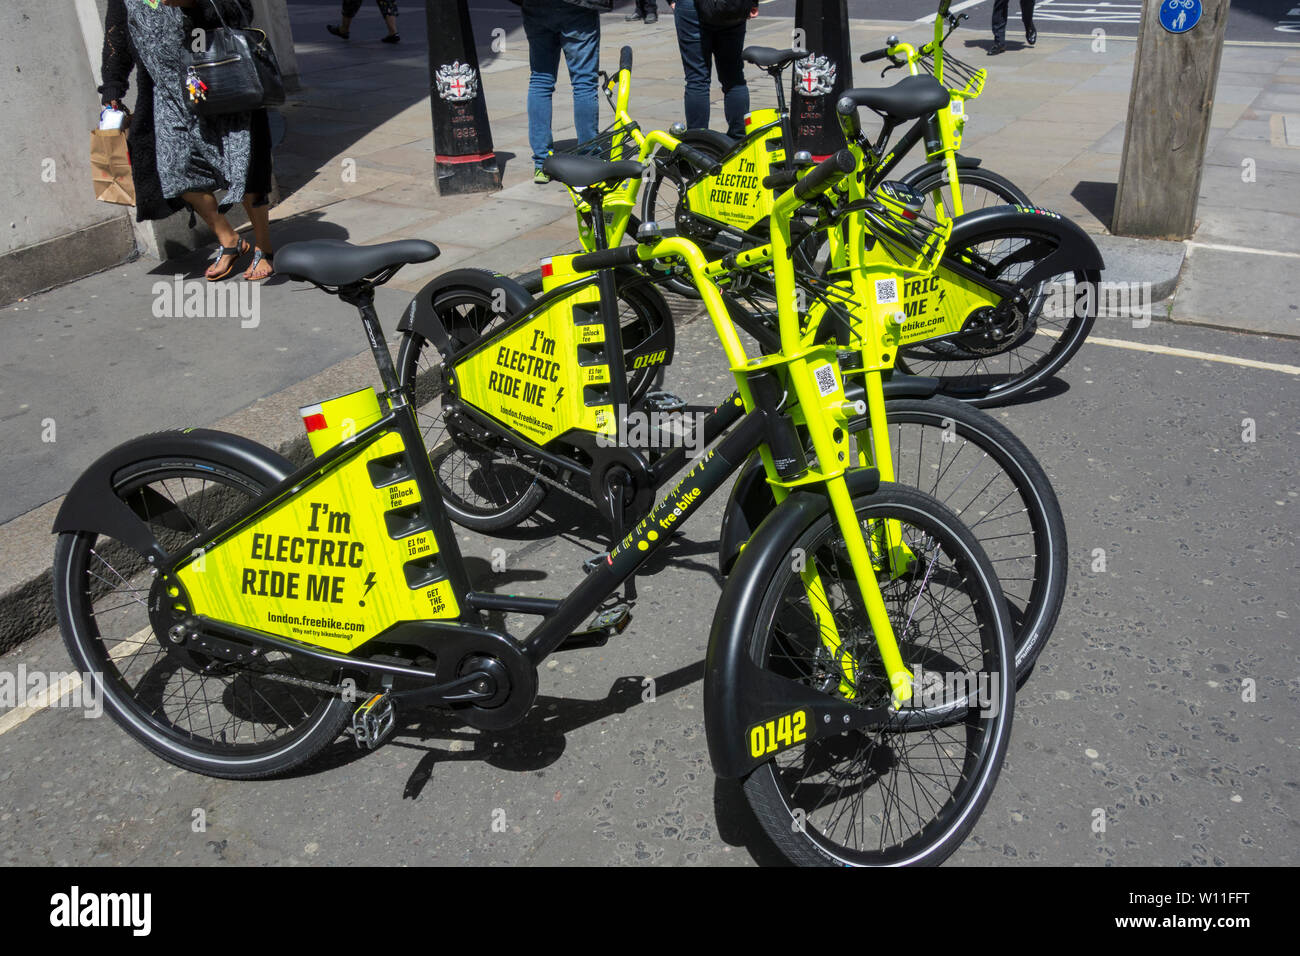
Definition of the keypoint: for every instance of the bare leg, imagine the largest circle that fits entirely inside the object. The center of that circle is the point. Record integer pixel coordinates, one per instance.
(260, 217)
(205, 204)
(392, 25)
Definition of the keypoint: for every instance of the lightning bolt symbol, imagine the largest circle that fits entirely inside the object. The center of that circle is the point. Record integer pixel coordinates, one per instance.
(370, 583)
(942, 293)
(558, 395)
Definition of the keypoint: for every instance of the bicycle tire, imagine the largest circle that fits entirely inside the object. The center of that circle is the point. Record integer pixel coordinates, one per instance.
(803, 822)
(88, 629)
(989, 492)
(1035, 352)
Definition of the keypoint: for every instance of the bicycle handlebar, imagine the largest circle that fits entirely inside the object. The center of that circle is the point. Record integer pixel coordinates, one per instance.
(875, 55)
(606, 258)
(781, 179)
(825, 174)
(625, 58)
(705, 164)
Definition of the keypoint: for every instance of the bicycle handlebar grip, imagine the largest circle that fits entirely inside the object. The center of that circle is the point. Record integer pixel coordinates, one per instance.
(875, 55)
(829, 171)
(625, 58)
(606, 259)
(704, 164)
(781, 179)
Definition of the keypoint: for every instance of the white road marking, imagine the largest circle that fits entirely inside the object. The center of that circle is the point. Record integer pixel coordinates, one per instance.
(1185, 353)
(1221, 247)
(956, 8)
(70, 682)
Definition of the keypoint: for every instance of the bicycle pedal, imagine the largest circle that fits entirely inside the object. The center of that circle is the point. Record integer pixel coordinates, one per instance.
(663, 402)
(374, 721)
(611, 621)
(591, 564)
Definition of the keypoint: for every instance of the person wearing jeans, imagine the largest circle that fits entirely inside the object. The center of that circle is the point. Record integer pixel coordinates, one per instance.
(571, 27)
(703, 46)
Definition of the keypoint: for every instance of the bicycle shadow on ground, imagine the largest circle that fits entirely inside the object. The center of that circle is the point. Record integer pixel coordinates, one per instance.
(538, 741)
(1051, 388)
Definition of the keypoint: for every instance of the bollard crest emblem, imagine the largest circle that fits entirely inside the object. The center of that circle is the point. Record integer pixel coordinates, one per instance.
(456, 82)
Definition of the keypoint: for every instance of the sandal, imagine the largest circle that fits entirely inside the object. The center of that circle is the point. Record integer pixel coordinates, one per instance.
(236, 251)
(258, 258)
(337, 32)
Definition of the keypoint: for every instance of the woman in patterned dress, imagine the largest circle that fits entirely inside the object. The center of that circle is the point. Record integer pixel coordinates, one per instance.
(178, 158)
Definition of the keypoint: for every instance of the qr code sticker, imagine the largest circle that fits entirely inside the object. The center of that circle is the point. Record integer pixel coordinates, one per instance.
(826, 383)
(955, 107)
(886, 291)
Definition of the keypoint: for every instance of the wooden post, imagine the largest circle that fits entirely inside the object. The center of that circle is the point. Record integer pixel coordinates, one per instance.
(462, 137)
(1174, 76)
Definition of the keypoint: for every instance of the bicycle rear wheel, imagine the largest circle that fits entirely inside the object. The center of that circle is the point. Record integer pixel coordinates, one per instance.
(906, 792)
(241, 721)
(1000, 357)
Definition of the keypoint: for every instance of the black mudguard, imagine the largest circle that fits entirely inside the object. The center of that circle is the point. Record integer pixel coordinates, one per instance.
(91, 504)
(420, 315)
(751, 499)
(737, 693)
(1075, 248)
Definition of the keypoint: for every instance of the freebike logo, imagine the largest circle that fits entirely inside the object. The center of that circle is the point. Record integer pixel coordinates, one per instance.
(655, 430)
(23, 688)
(200, 299)
(76, 909)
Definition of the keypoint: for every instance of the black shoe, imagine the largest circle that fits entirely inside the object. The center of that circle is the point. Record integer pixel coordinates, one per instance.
(652, 18)
(633, 16)
(1031, 36)
(392, 38)
(336, 31)
(997, 47)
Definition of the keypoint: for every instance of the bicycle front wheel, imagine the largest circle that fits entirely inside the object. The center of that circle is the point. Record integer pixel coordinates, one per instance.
(975, 466)
(907, 791)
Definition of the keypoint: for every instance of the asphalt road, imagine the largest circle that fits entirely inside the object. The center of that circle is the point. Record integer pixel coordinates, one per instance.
(1135, 710)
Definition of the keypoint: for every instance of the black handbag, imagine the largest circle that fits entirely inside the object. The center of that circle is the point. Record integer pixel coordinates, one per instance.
(237, 72)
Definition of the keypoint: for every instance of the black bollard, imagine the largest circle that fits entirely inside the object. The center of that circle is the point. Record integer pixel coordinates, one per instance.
(819, 78)
(462, 137)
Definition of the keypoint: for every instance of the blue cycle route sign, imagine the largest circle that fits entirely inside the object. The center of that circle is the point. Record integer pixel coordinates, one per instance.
(1179, 16)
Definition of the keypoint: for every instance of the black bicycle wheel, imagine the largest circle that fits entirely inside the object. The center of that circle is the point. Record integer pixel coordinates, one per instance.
(486, 483)
(906, 792)
(242, 721)
(975, 466)
(979, 188)
(1001, 355)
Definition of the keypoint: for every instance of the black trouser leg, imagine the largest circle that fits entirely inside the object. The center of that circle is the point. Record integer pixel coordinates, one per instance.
(1000, 20)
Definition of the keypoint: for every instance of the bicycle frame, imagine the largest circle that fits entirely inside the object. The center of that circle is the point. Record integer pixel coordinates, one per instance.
(767, 425)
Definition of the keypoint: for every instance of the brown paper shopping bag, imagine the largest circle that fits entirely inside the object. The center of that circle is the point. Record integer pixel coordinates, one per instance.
(110, 167)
